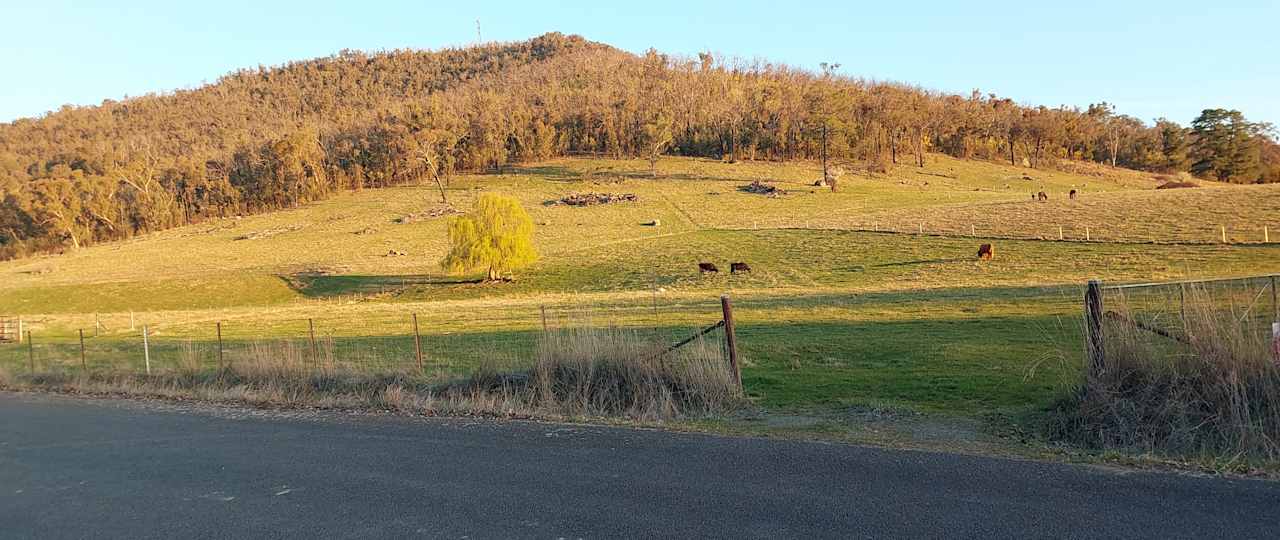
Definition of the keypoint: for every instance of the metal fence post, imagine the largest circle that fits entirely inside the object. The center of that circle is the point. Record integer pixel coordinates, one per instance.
(1093, 322)
(315, 352)
(221, 362)
(146, 349)
(84, 364)
(731, 340)
(417, 343)
(1275, 299)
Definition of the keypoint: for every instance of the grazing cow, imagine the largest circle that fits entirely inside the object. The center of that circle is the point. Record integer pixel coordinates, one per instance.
(986, 252)
(739, 268)
(708, 268)
(1072, 194)
(1042, 196)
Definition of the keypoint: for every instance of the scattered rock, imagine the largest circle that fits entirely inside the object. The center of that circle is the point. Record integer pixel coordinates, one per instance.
(761, 188)
(268, 233)
(396, 253)
(366, 230)
(592, 199)
(442, 210)
(654, 223)
(1177, 185)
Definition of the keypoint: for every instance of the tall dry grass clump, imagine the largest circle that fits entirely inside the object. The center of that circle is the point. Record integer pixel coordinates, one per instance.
(1209, 389)
(613, 371)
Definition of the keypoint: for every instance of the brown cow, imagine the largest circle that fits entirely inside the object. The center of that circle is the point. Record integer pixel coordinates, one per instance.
(708, 268)
(739, 268)
(1072, 194)
(986, 252)
(1042, 196)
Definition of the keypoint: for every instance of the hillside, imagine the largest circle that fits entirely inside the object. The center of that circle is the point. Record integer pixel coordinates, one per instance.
(276, 138)
(341, 246)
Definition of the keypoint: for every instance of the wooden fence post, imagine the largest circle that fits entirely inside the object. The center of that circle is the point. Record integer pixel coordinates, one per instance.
(146, 349)
(731, 341)
(544, 318)
(1093, 322)
(1266, 235)
(1087, 236)
(1224, 233)
(19, 329)
(221, 362)
(417, 342)
(84, 364)
(31, 352)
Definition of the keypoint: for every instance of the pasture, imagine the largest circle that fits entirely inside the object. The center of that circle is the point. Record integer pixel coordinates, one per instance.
(834, 314)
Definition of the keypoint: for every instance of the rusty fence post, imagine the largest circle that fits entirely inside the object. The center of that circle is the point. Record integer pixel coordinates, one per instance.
(731, 341)
(1093, 326)
(417, 343)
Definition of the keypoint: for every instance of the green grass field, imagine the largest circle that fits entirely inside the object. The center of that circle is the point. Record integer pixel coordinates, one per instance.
(832, 316)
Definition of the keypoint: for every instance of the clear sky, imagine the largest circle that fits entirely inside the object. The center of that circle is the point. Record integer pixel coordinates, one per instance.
(1150, 58)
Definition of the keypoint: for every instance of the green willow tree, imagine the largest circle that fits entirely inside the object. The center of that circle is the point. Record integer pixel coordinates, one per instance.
(497, 235)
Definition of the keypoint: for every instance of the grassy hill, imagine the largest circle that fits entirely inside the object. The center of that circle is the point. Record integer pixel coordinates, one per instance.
(833, 315)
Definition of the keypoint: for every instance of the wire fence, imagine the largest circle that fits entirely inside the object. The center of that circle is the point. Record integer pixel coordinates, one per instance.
(380, 342)
(1204, 234)
(1184, 315)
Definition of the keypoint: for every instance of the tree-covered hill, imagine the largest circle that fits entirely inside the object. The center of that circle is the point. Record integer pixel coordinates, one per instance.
(268, 138)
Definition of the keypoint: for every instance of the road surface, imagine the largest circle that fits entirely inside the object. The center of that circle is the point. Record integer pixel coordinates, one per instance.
(77, 468)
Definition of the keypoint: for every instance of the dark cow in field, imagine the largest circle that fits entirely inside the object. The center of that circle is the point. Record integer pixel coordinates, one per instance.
(739, 268)
(1072, 194)
(708, 268)
(1042, 196)
(986, 252)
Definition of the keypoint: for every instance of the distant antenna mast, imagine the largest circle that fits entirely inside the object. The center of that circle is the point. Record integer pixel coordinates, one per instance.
(478, 38)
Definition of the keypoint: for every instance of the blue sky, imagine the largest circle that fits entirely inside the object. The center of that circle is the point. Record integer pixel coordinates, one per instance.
(1149, 58)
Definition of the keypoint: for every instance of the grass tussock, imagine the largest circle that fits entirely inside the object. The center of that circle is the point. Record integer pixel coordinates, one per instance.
(1210, 391)
(575, 373)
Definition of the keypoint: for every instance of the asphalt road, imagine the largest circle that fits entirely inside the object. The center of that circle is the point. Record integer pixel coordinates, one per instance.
(78, 468)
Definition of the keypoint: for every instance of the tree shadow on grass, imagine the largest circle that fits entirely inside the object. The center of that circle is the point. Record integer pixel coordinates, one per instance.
(922, 261)
(324, 285)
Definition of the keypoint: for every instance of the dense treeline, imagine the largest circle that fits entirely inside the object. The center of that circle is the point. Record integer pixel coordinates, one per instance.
(272, 138)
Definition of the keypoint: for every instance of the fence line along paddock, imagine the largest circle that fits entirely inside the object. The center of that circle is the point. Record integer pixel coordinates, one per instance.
(401, 342)
(1206, 234)
(1176, 312)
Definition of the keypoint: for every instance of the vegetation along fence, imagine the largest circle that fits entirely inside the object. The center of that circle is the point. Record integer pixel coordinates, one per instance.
(372, 343)
(1235, 314)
